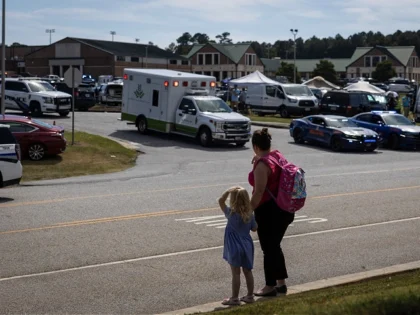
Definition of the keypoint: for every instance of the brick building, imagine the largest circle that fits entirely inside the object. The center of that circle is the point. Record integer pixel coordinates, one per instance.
(224, 60)
(99, 57)
(15, 58)
(404, 60)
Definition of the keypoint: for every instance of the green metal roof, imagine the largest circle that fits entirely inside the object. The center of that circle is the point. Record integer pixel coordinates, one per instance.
(401, 53)
(305, 65)
(233, 51)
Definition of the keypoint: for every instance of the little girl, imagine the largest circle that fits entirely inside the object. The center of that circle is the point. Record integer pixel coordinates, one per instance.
(238, 245)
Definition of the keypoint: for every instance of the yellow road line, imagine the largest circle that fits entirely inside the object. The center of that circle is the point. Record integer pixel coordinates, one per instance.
(41, 202)
(175, 212)
(110, 219)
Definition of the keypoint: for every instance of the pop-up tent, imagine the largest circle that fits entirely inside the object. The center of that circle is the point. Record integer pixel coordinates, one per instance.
(253, 78)
(363, 86)
(320, 83)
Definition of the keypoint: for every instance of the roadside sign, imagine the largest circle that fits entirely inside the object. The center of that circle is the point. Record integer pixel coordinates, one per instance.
(69, 80)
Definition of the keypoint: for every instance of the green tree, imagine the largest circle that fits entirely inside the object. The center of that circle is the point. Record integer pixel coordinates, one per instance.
(326, 70)
(184, 42)
(384, 71)
(224, 38)
(200, 38)
(286, 70)
(172, 47)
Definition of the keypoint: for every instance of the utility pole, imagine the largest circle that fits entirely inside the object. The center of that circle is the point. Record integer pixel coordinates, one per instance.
(294, 32)
(50, 31)
(112, 34)
(3, 58)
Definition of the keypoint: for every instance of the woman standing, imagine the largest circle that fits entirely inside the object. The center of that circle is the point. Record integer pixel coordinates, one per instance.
(272, 221)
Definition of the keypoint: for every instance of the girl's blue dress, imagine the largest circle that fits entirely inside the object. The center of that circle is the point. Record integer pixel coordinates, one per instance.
(238, 248)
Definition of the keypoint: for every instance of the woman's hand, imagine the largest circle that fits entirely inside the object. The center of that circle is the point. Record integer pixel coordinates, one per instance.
(254, 159)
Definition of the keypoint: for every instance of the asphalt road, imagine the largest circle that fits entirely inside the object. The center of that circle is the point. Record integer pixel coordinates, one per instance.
(149, 240)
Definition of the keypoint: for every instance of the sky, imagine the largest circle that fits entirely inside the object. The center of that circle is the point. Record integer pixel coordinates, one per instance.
(163, 21)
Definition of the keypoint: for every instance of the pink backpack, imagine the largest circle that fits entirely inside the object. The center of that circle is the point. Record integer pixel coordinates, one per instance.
(291, 194)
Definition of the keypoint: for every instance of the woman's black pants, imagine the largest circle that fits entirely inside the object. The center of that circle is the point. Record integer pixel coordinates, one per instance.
(272, 225)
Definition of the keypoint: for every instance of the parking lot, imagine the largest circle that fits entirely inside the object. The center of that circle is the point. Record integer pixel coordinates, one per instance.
(149, 240)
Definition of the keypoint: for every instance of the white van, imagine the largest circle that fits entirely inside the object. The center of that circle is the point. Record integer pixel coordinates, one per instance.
(283, 99)
(181, 103)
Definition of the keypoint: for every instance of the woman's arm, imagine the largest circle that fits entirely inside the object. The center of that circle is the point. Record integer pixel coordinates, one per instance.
(260, 177)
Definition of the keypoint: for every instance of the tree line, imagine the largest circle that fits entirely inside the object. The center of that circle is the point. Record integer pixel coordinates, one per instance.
(311, 48)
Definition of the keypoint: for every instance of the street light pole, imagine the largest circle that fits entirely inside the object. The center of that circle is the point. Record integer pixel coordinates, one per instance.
(50, 31)
(3, 58)
(112, 34)
(294, 32)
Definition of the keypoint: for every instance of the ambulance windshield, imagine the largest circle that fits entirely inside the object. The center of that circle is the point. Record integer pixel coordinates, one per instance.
(213, 106)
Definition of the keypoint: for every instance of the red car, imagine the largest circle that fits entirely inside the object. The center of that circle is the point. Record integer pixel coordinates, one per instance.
(37, 139)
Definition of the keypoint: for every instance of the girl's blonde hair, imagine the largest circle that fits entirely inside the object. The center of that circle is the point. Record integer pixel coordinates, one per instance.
(240, 203)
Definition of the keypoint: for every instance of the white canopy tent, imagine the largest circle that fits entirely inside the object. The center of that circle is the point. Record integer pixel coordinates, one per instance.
(364, 86)
(320, 83)
(253, 78)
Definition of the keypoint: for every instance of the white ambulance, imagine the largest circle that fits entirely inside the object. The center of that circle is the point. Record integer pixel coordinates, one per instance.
(181, 103)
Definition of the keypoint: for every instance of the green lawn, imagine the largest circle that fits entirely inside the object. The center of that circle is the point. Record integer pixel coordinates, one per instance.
(89, 155)
(394, 294)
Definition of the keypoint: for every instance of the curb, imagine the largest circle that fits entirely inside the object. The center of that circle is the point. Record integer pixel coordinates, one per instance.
(316, 285)
(270, 125)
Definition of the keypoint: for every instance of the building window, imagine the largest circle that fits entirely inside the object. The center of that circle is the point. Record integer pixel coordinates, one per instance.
(375, 60)
(120, 58)
(383, 58)
(173, 62)
(216, 60)
(250, 59)
(185, 62)
(135, 59)
(368, 63)
(208, 59)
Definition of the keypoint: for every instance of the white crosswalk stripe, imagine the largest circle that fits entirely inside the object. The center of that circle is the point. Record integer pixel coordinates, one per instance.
(219, 221)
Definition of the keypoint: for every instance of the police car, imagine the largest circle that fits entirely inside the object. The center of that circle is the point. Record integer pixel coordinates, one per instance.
(10, 166)
(35, 96)
(396, 130)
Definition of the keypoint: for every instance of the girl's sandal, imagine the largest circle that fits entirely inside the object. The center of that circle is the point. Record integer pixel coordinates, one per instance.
(231, 301)
(248, 299)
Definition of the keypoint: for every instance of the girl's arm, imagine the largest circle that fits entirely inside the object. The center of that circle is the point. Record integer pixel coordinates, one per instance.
(261, 178)
(222, 200)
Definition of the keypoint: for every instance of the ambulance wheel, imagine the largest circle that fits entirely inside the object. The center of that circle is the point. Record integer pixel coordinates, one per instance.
(142, 125)
(204, 136)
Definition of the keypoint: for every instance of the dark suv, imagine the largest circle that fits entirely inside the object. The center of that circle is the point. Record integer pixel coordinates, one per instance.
(348, 103)
(84, 95)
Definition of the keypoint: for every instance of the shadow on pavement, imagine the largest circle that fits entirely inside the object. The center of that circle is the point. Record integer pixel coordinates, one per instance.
(4, 200)
(160, 140)
(326, 149)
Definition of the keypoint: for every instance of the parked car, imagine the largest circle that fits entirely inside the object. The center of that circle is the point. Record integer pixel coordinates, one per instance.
(348, 103)
(10, 165)
(396, 130)
(336, 132)
(382, 86)
(400, 85)
(37, 139)
(84, 95)
(88, 79)
(111, 93)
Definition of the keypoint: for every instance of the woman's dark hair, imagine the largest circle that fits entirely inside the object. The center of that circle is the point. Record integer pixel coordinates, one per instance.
(262, 139)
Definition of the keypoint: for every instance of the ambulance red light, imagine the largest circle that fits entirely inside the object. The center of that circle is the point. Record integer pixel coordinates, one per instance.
(212, 84)
(166, 84)
(176, 83)
(203, 84)
(185, 83)
(125, 77)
